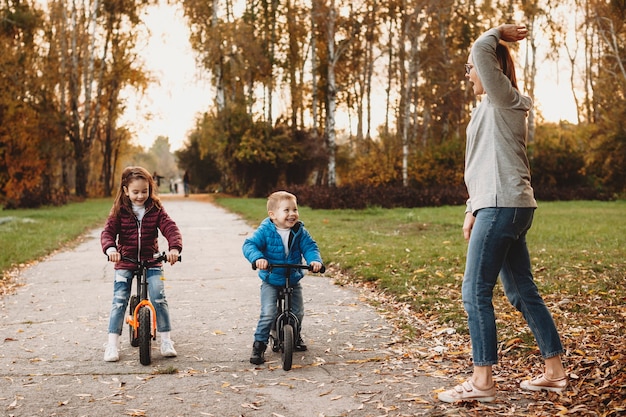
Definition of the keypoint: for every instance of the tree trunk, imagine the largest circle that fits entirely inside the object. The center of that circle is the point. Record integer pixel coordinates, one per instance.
(220, 102)
(314, 99)
(411, 29)
(331, 97)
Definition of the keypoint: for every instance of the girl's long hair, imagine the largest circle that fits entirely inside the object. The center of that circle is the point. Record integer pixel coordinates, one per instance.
(128, 175)
(506, 63)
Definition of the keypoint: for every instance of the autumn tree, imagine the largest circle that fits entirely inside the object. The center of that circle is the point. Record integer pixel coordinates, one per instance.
(608, 159)
(92, 43)
(28, 122)
(402, 60)
(121, 70)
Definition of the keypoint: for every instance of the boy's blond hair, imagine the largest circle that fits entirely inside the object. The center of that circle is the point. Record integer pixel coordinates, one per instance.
(274, 199)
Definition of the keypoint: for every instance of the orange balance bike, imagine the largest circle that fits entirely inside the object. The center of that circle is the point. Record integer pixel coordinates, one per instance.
(141, 317)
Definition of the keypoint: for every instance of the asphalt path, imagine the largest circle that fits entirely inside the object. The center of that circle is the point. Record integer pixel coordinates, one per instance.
(53, 330)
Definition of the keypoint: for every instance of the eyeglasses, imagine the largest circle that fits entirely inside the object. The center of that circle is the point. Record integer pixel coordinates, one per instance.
(468, 68)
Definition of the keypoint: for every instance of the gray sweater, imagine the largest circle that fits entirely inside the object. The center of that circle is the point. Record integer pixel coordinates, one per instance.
(497, 172)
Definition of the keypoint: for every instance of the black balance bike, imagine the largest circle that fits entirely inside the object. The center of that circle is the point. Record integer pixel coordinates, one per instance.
(141, 317)
(286, 327)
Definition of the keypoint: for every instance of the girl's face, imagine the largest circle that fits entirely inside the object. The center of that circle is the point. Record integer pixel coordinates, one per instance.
(138, 191)
(473, 78)
(286, 215)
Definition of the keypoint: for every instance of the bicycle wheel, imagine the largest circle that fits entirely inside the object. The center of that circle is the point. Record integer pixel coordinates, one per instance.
(288, 344)
(145, 336)
(134, 300)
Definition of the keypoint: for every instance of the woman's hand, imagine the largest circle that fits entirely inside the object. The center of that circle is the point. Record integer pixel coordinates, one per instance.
(512, 33)
(468, 224)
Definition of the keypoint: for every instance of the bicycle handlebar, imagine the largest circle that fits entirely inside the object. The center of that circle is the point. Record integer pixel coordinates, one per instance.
(291, 266)
(157, 258)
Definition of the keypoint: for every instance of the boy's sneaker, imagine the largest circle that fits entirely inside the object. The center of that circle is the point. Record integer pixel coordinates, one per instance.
(167, 349)
(258, 353)
(300, 346)
(111, 354)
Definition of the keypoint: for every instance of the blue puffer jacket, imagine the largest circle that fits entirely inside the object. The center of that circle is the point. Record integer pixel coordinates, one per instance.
(265, 243)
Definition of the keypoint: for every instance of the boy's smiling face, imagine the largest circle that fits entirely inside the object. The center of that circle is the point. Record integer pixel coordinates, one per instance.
(286, 214)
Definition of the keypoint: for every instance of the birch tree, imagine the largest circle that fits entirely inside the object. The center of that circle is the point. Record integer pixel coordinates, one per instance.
(411, 32)
(209, 39)
(80, 97)
(335, 50)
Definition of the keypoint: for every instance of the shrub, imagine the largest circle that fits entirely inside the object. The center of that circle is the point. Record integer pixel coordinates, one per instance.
(386, 196)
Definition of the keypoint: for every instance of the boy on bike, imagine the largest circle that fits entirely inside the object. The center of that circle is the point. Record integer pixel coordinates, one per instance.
(280, 239)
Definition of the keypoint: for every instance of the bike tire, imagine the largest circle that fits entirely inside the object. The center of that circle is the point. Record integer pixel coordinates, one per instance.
(134, 300)
(288, 345)
(145, 336)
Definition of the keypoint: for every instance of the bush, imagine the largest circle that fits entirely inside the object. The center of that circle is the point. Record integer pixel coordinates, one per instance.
(392, 196)
(386, 196)
(556, 193)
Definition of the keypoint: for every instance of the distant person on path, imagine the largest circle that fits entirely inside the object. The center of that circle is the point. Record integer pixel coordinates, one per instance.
(132, 230)
(186, 183)
(157, 179)
(280, 239)
(499, 213)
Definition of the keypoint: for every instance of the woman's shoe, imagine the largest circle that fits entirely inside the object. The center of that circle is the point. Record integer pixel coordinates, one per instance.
(543, 383)
(468, 392)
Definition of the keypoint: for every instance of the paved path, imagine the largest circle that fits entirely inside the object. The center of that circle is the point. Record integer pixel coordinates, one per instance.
(54, 328)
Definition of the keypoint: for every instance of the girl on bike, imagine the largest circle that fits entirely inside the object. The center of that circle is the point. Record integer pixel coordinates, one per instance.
(131, 230)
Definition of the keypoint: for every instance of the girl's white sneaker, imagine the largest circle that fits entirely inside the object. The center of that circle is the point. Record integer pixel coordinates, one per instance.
(167, 349)
(111, 354)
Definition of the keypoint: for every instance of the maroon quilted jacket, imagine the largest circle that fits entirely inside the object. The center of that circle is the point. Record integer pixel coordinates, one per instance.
(135, 239)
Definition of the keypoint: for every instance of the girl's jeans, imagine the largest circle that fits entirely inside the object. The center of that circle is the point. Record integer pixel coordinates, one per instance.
(269, 297)
(121, 295)
(497, 245)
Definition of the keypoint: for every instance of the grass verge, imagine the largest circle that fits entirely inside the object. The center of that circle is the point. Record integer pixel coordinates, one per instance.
(412, 261)
(418, 254)
(28, 235)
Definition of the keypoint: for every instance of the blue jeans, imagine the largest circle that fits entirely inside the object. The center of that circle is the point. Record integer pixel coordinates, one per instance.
(121, 295)
(269, 297)
(497, 245)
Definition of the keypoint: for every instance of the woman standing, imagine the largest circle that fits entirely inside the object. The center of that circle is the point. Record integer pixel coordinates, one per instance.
(499, 213)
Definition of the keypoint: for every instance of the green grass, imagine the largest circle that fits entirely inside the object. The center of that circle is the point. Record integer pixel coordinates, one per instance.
(418, 254)
(30, 234)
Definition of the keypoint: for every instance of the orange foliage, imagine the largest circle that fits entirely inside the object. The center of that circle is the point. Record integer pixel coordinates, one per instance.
(21, 159)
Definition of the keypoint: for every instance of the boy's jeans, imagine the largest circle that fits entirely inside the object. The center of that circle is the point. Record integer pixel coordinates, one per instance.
(121, 295)
(497, 245)
(269, 296)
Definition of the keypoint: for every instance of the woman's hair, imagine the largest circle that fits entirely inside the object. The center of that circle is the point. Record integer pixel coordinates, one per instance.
(129, 175)
(273, 201)
(506, 63)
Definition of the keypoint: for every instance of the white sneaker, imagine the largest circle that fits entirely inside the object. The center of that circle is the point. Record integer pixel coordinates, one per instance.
(167, 349)
(111, 354)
